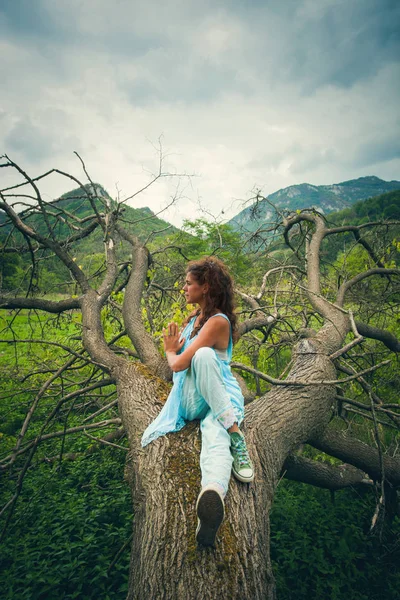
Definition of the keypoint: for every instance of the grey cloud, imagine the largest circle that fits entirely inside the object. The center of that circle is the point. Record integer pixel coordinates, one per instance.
(179, 81)
(271, 157)
(276, 90)
(307, 159)
(43, 24)
(301, 157)
(353, 41)
(34, 21)
(368, 152)
(377, 151)
(24, 17)
(35, 143)
(331, 42)
(127, 28)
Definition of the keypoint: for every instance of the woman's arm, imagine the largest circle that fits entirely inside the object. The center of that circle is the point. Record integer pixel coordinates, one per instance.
(214, 334)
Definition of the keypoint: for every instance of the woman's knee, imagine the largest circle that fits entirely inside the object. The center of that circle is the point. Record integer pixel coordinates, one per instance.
(203, 355)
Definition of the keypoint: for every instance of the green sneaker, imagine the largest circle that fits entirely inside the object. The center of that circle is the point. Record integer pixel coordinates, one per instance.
(242, 466)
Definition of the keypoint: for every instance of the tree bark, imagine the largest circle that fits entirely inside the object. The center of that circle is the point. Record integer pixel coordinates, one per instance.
(164, 479)
(323, 475)
(361, 455)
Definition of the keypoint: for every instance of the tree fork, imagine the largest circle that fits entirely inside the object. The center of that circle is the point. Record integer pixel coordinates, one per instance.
(165, 478)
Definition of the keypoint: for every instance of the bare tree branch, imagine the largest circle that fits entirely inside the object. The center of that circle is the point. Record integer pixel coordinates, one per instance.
(359, 454)
(105, 442)
(256, 323)
(70, 456)
(348, 284)
(375, 333)
(32, 444)
(275, 270)
(299, 383)
(323, 475)
(132, 309)
(55, 307)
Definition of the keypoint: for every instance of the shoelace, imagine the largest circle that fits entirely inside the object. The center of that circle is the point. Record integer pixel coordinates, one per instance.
(242, 454)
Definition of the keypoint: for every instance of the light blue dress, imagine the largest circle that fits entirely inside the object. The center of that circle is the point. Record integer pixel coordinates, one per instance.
(207, 391)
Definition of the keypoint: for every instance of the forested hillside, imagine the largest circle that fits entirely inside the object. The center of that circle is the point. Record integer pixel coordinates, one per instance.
(325, 198)
(384, 206)
(197, 237)
(64, 216)
(87, 286)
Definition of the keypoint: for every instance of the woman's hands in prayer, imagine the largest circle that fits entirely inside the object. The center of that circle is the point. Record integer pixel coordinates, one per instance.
(172, 339)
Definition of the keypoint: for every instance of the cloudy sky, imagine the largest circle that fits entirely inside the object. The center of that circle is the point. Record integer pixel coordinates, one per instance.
(244, 95)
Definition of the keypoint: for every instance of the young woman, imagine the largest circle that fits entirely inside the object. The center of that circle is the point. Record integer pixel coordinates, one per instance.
(204, 388)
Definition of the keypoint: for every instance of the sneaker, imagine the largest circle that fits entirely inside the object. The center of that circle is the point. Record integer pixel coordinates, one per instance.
(242, 466)
(210, 513)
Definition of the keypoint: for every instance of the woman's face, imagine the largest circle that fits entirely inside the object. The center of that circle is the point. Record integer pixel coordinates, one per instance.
(194, 291)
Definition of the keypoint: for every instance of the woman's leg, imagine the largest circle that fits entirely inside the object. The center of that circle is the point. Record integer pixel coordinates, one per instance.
(218, 444)
(205, 397)
(215, 457)
(204, 391)
(207, 372)
(209, 383)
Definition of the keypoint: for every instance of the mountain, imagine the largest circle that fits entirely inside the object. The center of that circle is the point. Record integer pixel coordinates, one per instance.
(140, 221)
(325, 198)
(50, 274)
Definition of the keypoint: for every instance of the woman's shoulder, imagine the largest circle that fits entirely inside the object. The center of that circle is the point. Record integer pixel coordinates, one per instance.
(220, 314)
(220, 328)
(218, 321)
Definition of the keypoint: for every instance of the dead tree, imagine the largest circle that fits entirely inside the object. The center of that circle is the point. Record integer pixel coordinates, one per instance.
(164, 477)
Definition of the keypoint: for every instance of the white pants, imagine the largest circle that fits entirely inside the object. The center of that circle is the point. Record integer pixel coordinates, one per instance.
(205, 397)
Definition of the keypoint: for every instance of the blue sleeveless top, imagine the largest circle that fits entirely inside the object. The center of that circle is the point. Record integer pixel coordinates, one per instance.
(170, 418)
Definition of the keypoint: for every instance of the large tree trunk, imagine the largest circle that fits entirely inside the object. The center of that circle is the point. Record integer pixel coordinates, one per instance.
(165, 561)
(165, 481)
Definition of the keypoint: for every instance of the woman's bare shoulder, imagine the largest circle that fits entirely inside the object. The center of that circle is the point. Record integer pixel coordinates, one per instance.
(217, 323)
(219, 317)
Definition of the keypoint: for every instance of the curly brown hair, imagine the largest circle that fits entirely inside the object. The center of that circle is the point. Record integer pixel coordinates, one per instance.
(220, 296)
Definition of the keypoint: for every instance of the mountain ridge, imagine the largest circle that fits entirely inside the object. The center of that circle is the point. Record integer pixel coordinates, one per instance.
(325, 198)
(76, 202)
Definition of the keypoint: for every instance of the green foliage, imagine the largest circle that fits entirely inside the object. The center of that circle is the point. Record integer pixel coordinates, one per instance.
(211, 238)
(386, 206)
(324, 550)
(10, 271)
(50, 273)
(378, 209)
(69, 527)
(72, 523)
(325, 198)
